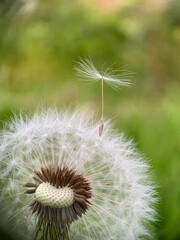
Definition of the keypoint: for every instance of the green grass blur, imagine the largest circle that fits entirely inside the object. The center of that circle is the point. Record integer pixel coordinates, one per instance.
(39, 42)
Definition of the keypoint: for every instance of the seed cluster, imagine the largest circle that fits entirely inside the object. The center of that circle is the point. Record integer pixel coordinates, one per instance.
(61, 195)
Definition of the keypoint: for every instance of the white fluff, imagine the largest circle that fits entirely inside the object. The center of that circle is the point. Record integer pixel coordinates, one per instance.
(123, 194)
(115, 79)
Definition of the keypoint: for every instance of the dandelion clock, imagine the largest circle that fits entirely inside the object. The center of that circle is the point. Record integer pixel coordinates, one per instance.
(66, 176)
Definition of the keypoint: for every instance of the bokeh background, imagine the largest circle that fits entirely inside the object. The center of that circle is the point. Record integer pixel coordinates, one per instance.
(41, 39)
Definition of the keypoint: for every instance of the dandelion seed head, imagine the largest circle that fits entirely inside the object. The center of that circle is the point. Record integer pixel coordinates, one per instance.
(90, 186)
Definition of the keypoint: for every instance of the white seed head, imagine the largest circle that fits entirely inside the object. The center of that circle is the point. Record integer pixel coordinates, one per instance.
(54, 197)
(123, 193)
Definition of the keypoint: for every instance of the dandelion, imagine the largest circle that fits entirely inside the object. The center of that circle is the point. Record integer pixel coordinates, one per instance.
(64, 176)
(61, 180)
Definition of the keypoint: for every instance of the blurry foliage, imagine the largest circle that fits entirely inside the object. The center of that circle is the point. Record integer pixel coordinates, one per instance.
(39, 41)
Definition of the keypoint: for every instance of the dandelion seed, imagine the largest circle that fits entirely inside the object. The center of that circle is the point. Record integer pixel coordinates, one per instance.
(115, 79)
(71, 183)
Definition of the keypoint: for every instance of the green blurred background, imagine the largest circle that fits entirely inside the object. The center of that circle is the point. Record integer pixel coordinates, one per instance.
(39, 42)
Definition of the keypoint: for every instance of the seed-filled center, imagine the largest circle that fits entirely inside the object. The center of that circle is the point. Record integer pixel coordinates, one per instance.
(61, 195)
(54, 197)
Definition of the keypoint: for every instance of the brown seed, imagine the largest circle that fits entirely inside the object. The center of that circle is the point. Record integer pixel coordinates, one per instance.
(61, 177)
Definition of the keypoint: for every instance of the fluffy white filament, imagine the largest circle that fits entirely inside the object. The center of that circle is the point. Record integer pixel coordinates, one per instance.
(114, 79)
(123, 195)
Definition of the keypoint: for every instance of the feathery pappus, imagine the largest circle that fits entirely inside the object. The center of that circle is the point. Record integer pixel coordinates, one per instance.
(77, 184)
